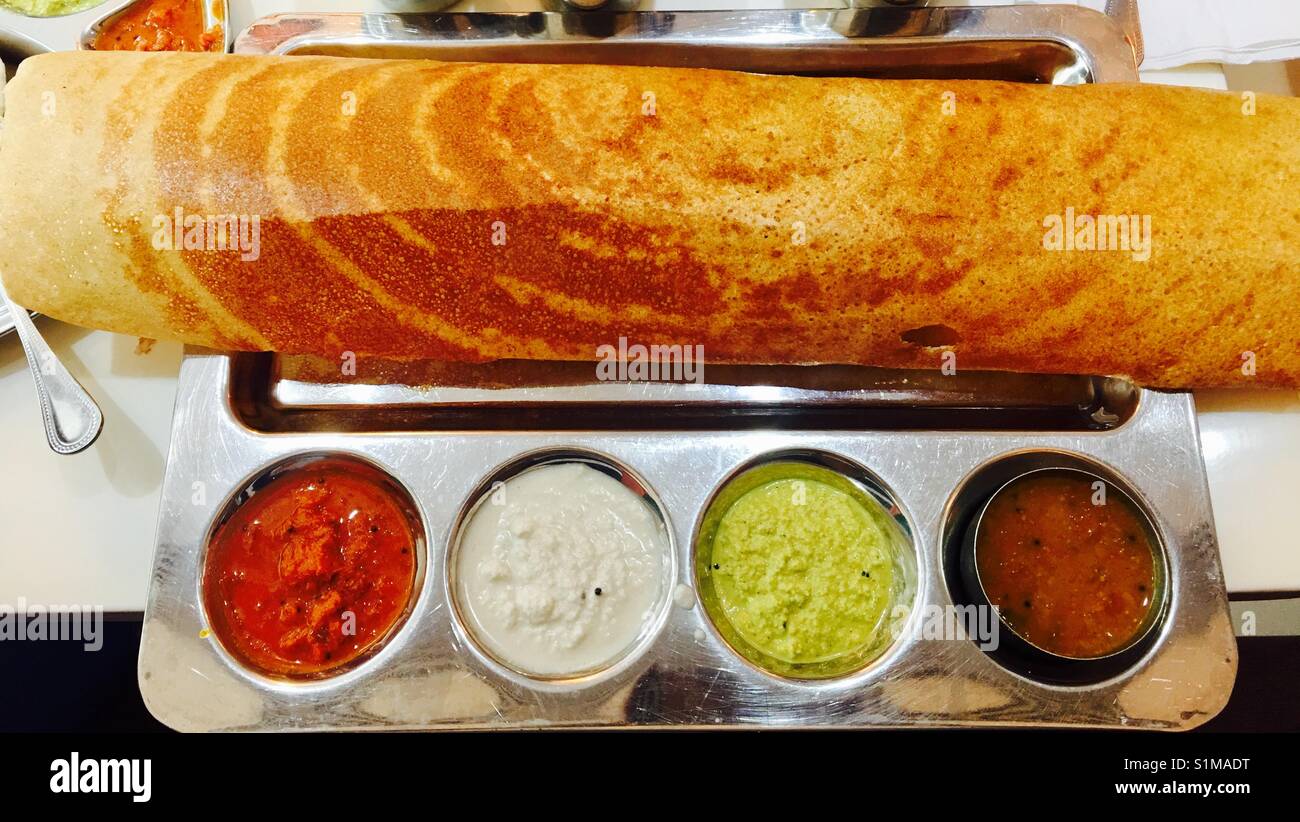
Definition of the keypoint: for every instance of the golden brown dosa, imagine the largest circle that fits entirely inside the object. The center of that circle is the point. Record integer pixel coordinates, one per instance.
(412, 209)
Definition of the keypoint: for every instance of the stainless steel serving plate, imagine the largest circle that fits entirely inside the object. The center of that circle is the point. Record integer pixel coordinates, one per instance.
(215, 12)
(1056, 44)
(930, 445)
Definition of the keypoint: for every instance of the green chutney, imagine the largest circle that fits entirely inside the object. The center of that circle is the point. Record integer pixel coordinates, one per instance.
(49, 8)
(802, 570)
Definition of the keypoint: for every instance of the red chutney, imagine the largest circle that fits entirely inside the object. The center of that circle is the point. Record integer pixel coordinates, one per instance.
(1073, 578)
(310, 571)
(161, 25)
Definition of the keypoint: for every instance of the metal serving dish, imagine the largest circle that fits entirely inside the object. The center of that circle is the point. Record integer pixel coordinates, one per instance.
(1018, 651)
(929, 444)
(70, 32)
(215, 12)
(1056, 44)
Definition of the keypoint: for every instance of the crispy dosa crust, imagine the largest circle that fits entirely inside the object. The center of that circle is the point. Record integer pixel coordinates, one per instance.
(464, 212)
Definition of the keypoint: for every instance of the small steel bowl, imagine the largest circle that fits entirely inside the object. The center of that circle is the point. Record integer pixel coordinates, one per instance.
(214, 12)
(215, 622)
(516, 678)
(1015, 642)
(880, 503)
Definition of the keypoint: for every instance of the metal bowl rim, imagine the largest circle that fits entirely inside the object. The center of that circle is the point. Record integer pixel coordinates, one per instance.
(116, 7)
(817, 457)
(576, 681)
(1155, 611)
(380, 646)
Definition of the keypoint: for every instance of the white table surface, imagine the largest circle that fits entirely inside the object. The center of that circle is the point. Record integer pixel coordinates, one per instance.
(80, 529)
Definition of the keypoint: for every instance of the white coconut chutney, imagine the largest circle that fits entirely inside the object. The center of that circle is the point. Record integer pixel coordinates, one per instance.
(560, 570)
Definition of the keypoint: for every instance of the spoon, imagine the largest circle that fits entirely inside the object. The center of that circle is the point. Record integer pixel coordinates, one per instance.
(72, 419)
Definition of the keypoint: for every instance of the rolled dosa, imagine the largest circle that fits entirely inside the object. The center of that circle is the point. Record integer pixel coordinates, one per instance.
(469, 212)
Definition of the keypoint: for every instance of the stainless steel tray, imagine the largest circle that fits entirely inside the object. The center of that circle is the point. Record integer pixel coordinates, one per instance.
(1056, 44)
(930, 446)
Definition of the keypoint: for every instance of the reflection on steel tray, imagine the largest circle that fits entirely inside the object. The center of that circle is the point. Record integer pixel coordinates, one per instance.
(282, 393)
(929, 448)
(1056, 44)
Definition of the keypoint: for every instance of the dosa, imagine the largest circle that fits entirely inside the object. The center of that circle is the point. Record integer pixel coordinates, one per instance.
(472, 212)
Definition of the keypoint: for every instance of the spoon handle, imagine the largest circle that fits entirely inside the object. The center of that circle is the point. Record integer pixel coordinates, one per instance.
(72, 419)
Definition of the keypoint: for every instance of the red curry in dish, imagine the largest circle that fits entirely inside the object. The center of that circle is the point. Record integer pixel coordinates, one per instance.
(310, 571)
(1074, 578)
(161, 25)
